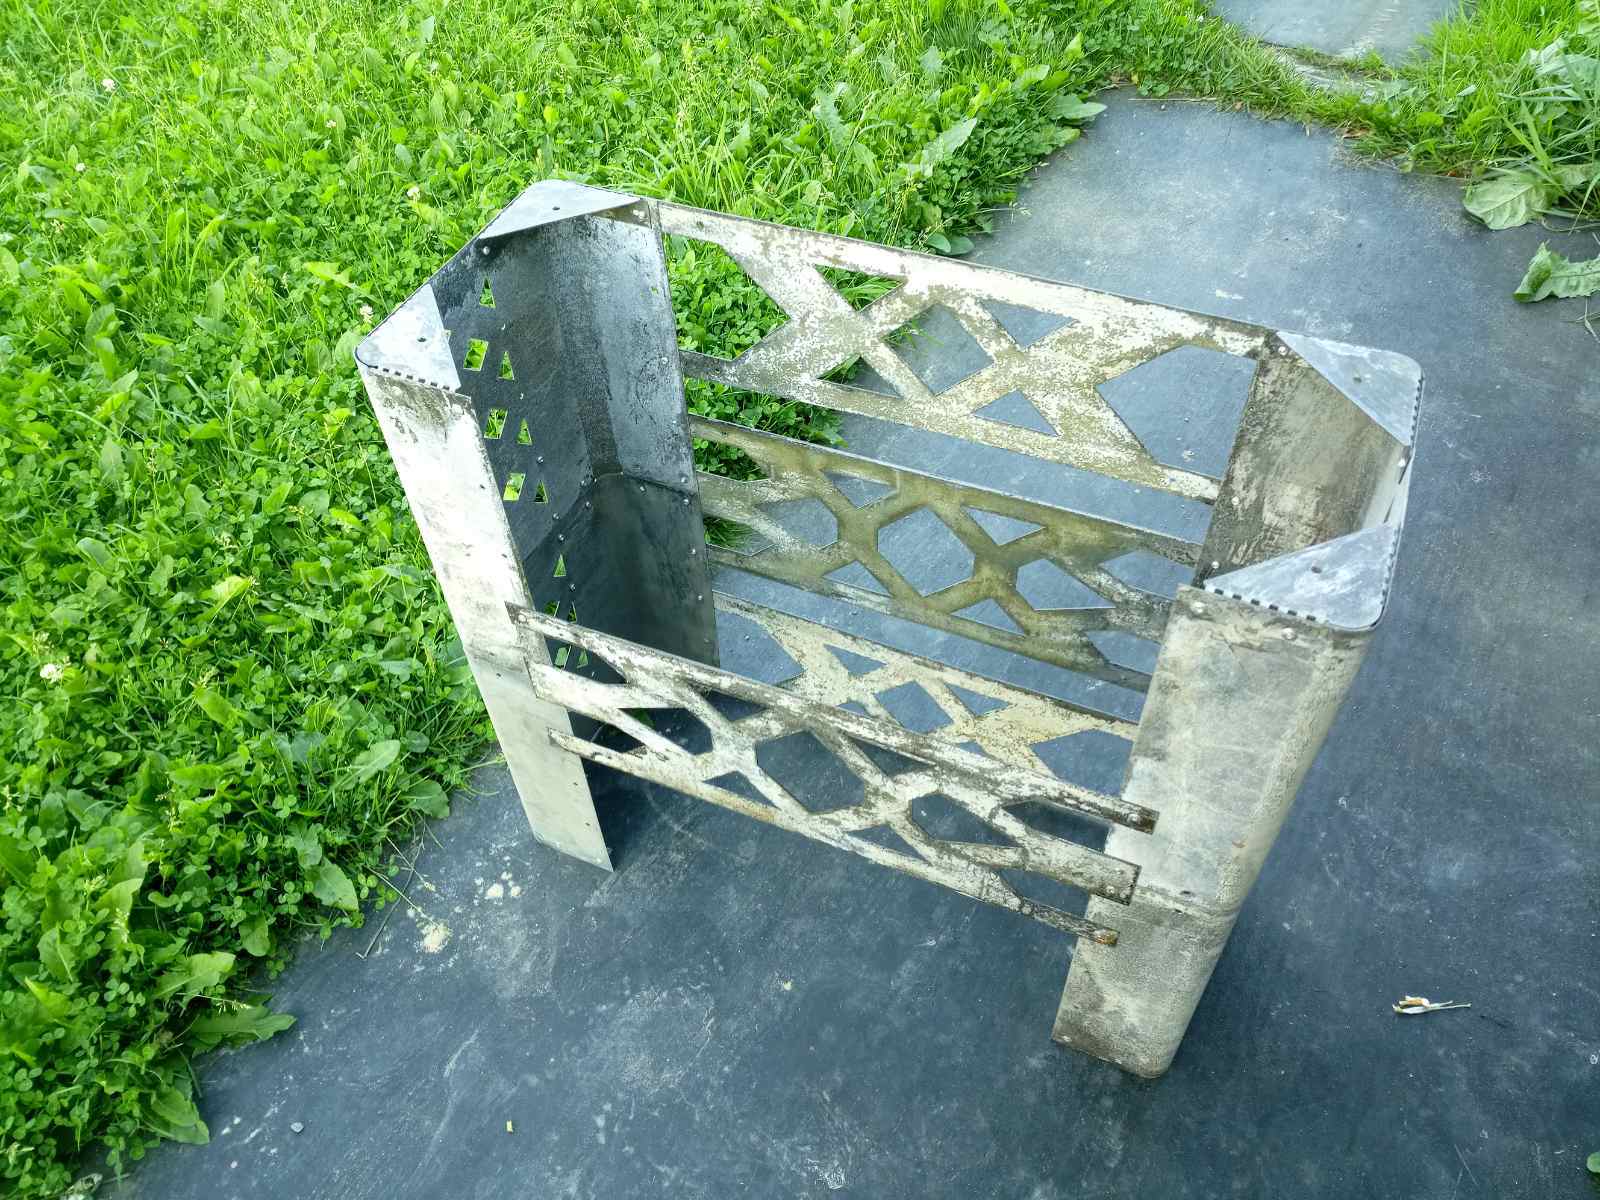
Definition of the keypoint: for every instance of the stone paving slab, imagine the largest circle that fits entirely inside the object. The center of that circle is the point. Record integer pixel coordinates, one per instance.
(1346, 28)
(740, 1012)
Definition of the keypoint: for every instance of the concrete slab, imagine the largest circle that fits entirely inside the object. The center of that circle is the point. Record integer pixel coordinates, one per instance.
(1343, 27)
(740, 1012)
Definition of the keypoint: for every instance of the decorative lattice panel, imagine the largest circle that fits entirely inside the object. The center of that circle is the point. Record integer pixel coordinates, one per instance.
(1039, 580)
(1046, 348)
(896, 770)
(830, 667)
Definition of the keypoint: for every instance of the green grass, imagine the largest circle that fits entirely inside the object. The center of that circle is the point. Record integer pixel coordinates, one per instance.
(231, 686)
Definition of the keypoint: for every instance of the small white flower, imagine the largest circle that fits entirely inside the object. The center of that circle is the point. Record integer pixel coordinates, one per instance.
(413, 192)
(109, 84)
(81, 168)
(51, 672)
(366, 312)
(331, 123)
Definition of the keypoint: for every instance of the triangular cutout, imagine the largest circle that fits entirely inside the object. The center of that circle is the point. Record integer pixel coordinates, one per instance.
(735, 782)
(505, 366)
(856, 664)
(855, 706)
(853, 574)
(857, 288)
(856, 373)
(987, 612)
(975, 703)
(860, 492)
(1027, 326)
(885, 838)
(1014, 409)
(524, 434)
(1002, 530)
(486, 297)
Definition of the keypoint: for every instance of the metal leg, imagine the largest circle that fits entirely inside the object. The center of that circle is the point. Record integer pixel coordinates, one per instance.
(437, 445)
(1240, 703)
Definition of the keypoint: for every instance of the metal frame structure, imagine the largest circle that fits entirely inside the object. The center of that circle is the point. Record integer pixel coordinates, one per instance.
(532, 396)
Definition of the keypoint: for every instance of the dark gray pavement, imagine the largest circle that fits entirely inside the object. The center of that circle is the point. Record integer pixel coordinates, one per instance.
(1343, 27)
(740, 1012)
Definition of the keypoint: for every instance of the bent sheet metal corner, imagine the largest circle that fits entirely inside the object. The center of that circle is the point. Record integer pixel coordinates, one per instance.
(532, 396)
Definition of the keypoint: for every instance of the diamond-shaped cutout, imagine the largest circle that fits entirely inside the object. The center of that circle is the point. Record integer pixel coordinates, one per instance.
(1184, 406)
(940, 817)
(1002, 530)
(926, 553)
(856, 664)
(939, 349)
(853, 574)
(911, 705)
(1126, 650)
(810, 772)
(1149, 572)
(1015, 409)
(860, 492)
(988, 612)
(807, 520)
(1027, 326)
(855, 706)
(976, 703)
(746, 648)
(1047, 588)
(743, 314)
(1092, 758)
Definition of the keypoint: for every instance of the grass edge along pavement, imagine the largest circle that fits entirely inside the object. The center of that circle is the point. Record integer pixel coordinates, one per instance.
(234, 689)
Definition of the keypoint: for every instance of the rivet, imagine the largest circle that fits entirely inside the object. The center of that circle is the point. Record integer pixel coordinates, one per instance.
(1215, 565)
(1288, 635)
(539, 459)
(700, 596)
(641, 487)
(693, 552)
(1197, 609)
(561, 537)
(484, 250)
